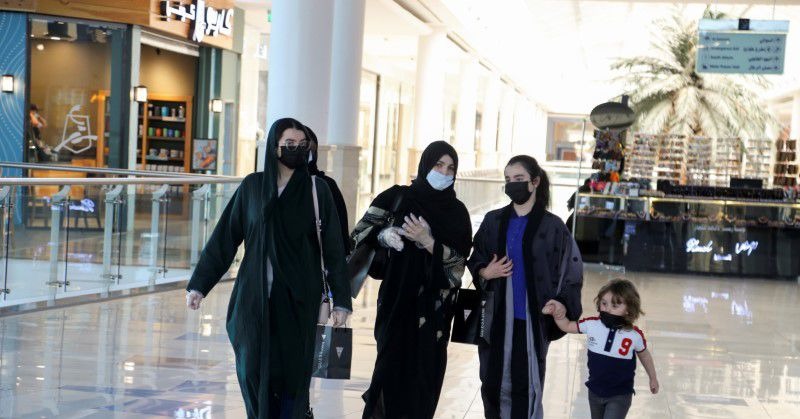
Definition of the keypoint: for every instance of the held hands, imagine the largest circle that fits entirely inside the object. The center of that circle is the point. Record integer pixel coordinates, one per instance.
(555, 309)
(497, 268)
(193, 299)
(390, 238)
(417, 230)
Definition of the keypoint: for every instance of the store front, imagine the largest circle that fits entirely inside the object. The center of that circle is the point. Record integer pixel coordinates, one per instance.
(720, 206)
(125, 87)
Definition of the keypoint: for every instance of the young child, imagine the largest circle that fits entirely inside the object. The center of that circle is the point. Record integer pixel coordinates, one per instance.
(613, 342)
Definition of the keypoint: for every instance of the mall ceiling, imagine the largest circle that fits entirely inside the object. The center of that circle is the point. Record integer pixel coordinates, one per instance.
(557, 52)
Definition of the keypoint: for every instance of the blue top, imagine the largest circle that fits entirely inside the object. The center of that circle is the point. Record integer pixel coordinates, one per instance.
(516, 229)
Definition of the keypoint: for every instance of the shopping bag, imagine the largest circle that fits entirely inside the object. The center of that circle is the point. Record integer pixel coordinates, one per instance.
(333, 352)
(473, 316)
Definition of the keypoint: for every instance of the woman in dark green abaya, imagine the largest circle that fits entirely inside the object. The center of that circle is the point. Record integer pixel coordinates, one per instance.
(275, 300)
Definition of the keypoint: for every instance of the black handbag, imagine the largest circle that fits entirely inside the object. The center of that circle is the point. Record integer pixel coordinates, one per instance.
(474, 311)
(367, 260)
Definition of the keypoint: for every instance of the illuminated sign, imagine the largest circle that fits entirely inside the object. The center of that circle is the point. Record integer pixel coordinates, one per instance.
(693, 246)
(746, 246)
(205, 21)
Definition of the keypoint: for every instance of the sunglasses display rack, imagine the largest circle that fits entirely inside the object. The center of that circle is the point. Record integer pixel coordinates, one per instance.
(727, 160)
(699, 157)
(641, 156)
(671, 163)
(758, 159)
(786, 166)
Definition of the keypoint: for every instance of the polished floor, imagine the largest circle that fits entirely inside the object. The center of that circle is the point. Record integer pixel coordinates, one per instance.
(724, 348)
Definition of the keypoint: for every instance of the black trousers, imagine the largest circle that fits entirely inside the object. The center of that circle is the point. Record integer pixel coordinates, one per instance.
(519, 371)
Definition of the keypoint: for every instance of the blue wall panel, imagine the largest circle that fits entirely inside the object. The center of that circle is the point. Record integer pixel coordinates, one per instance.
(13, 60)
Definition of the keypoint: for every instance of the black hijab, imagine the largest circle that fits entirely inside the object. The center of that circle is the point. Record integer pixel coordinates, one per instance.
(447, 216)
(312, 164)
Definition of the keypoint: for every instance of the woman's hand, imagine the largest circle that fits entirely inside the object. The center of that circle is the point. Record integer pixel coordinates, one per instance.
(340, 317)
(417, 230)
(390, 238)
(193, 299)
(497, 268)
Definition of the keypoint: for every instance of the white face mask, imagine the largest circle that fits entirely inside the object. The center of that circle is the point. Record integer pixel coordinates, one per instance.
(439, 181)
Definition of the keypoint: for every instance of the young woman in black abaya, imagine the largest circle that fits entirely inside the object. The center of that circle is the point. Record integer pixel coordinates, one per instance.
(428, 244)
(275, 300)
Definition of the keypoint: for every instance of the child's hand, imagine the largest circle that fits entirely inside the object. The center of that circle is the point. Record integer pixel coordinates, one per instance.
(555, 309)
(654, 385)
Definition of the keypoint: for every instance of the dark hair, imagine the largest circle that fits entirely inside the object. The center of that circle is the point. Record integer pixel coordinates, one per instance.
(622, 291)
(532, 167)
(34, 107)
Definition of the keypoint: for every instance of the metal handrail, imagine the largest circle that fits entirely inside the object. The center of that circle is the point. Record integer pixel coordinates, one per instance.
(107, 171)
(25, 181)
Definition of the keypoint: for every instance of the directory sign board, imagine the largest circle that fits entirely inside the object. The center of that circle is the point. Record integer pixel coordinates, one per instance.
(741, 46)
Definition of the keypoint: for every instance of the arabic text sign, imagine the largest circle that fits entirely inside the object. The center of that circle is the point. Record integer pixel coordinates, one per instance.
(741, 52)
(205, 20)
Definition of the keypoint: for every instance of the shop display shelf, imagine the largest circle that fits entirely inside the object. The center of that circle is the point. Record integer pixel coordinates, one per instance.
(167, 118)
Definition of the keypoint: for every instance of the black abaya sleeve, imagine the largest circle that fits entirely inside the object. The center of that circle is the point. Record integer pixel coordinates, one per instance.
(481, 252)
(221, 248)
(571, 267)
(341, 210)
(333, 250)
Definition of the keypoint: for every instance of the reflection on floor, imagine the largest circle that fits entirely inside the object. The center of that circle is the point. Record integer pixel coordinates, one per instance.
(724, 348)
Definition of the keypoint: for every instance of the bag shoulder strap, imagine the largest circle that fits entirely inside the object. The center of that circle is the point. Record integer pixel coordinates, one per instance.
(318, 228)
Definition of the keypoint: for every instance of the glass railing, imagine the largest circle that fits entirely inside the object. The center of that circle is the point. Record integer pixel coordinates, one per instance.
(100, 236)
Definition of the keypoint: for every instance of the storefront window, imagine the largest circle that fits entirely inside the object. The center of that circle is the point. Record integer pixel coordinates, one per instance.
(70, 86)
(564, 134)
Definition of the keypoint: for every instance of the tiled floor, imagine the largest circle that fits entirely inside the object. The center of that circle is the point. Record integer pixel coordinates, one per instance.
(724, 348)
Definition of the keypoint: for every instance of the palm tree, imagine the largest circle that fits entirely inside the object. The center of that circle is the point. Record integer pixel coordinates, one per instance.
(669, 97)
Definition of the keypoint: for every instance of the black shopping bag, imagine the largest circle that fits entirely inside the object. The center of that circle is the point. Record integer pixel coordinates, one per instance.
(473, 316)
(333, 352)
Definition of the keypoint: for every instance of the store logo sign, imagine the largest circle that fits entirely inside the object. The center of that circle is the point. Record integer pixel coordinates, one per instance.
(746, 246)
(693, 246)
(80, 136)
(723, 258)
(205, 21)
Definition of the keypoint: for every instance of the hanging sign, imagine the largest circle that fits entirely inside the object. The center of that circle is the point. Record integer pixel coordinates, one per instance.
(742, 46)
(204, 20)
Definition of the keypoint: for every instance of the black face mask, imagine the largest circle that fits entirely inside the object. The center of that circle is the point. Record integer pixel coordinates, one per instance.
(518, 192)
(293, 158)
(612, 321)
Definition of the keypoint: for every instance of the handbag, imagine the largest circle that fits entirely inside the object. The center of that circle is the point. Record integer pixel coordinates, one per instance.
(474, 311)
(366, 260)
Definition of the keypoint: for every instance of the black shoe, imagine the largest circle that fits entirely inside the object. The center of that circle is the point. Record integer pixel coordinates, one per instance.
(310, 413)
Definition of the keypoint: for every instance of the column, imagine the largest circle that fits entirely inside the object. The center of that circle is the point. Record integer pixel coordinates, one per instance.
(505, 129)
(429, 93)
(795, 127)
(465, 115)
(300, 64)
(339, 151)
(487, 155)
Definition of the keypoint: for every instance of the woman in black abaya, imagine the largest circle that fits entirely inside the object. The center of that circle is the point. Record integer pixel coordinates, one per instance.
(428, 244)
(275, 300)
